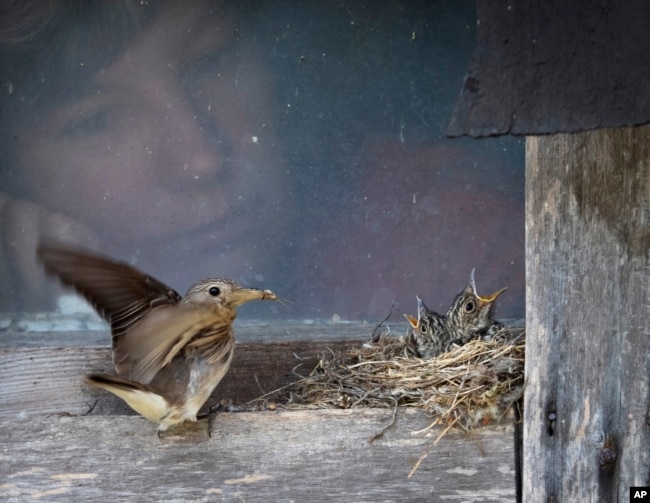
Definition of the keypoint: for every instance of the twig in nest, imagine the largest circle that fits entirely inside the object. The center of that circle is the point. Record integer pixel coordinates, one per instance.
(385, 428)
(277, 390)
(474, 384)
(374, 338)
(433, 444)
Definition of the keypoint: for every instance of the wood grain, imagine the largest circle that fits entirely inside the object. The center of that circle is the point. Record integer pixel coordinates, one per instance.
(53, 452)
(587, 436)
(40, 381)
(15, 335)
(312, 456)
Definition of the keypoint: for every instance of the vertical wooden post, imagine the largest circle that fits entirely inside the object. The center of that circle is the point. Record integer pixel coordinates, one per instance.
(586, 406)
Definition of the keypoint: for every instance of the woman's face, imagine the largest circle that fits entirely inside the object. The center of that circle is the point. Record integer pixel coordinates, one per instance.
(172, 147)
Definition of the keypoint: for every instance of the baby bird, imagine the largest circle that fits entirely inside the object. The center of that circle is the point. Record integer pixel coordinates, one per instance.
(170, 352)
(469, 316)
(428, 336)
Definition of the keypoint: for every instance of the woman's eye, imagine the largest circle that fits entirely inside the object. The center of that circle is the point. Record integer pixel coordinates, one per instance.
(91, 124)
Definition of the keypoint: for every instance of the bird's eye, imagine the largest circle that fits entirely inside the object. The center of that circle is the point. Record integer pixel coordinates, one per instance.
(469, 307)
(423, 328)
(214, 291)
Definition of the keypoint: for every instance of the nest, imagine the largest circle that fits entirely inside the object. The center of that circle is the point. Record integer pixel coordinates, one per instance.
(468, 386)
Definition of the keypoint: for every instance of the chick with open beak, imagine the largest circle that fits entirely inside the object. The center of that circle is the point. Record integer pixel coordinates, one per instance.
(470, 316)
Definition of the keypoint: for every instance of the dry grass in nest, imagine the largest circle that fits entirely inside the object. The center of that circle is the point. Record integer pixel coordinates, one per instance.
(471, 385)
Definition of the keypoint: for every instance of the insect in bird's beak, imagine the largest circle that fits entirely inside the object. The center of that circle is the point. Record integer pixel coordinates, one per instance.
(240, 296)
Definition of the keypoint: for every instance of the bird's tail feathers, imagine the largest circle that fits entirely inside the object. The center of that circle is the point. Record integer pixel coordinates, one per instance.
(140, 397)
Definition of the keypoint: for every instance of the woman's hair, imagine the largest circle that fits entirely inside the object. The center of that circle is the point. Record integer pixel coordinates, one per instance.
(50, 49)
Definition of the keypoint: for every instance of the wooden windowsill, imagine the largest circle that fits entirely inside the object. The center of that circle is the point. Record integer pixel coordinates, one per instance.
(52, 451)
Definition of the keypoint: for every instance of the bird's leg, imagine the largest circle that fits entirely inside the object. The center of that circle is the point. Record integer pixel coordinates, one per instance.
(92, 407)
(211, 414)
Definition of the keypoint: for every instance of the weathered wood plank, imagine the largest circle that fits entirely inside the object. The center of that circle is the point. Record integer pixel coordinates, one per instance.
(52, 452)
(53, 331)
(535, 72)
(255, 457)
(38, 381)
(48, 379)
(588, 311)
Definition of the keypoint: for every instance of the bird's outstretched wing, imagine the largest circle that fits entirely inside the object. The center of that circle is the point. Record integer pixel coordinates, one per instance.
(169, 332)
(119, 292)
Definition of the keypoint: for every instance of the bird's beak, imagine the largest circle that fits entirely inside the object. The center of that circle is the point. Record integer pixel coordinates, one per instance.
(484, 301)
(242, 295)
(414, 323)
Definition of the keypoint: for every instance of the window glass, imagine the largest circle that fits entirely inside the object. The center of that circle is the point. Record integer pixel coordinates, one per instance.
(294, 146)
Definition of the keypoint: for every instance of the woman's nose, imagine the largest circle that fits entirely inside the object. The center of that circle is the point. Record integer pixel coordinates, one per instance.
(194, 152)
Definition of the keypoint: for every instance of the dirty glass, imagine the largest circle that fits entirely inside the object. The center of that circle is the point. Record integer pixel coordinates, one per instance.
(294, 146)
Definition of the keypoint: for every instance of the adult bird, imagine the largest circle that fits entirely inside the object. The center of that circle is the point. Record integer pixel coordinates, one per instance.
(169, 352)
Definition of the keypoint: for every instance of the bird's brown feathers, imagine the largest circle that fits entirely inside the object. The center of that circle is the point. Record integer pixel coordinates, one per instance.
(120, 293)
(170, 332)
(170, 351)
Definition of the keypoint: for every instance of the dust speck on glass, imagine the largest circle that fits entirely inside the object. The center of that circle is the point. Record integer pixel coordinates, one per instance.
(294, 146)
